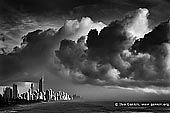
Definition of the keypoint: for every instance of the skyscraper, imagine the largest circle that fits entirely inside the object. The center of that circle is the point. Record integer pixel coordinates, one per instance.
(15, 91)
(32, 88)
(41, 84)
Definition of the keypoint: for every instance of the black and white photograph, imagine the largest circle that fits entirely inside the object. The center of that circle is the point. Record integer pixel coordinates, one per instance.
(84, 56)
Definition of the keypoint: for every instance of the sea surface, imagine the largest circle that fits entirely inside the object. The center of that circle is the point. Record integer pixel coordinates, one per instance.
(74, 107)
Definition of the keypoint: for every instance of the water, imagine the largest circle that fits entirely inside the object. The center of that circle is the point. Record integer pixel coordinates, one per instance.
(70, 107)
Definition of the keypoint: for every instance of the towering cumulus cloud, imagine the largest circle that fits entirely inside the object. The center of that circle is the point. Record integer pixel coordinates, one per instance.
(138, 24)
(37, 50)
(126, 54)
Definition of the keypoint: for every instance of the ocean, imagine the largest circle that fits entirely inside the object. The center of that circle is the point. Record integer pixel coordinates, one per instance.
(73, 107)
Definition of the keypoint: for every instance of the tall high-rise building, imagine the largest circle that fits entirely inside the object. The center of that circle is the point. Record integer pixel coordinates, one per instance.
(32, 88)
(47, 95)
(29, 94)
(41, 84)
(15, 91)
(1, 97)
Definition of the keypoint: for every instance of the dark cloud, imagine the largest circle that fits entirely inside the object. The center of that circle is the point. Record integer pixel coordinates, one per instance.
(102, 58)
(156, 43)
(102, 55)
(118, 55)
(103, 10)
(45, 6)
(32, 55)
(152, 40)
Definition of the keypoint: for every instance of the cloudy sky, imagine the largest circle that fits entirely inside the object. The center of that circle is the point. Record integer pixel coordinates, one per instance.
(99, 49)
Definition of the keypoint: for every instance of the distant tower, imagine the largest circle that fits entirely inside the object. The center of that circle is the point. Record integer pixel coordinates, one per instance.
(15, 91)
(29, 94)
(47, 95)
(41, 84)
(32, 88)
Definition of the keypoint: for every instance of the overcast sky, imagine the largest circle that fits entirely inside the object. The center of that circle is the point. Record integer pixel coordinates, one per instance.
(99, 49)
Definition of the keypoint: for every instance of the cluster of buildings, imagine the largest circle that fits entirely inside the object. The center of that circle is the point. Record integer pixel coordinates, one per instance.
(10, 93)
(38, 94)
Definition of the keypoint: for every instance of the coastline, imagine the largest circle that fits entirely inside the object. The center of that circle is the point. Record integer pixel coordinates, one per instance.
(28, 105)
(75, 106)
(18, 105)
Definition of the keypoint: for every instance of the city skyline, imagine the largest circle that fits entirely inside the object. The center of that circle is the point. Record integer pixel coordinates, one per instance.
(24, 86)
(32, 94)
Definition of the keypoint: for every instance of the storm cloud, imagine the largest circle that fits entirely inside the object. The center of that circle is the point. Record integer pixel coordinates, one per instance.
(36, 51)
(126, 53)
